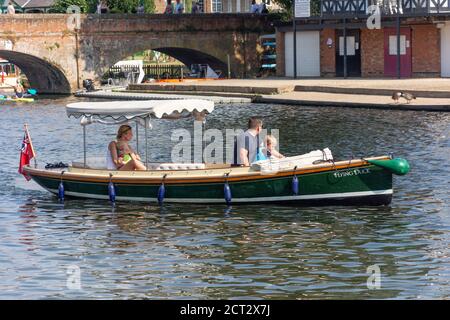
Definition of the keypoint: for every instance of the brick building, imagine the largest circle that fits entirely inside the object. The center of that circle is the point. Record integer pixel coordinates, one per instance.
(422, 31)
(28, 6)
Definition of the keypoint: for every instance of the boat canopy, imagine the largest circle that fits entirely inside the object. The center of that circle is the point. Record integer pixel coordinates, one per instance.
(117, 112)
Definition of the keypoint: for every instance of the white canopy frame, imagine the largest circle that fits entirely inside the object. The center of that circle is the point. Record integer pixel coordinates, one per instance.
(141, 112)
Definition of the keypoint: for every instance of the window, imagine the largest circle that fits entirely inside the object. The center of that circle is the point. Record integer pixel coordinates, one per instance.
(351, 46)
(216, 6)
(200, 5)
(393, 45)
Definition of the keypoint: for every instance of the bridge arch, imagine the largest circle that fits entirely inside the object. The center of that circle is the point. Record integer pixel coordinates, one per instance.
(42, 75)
(189, 56)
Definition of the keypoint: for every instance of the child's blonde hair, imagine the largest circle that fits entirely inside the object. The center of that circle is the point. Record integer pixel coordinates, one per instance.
(271, 140)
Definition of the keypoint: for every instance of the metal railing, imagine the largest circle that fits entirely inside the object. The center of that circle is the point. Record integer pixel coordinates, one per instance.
(387, 7)
(156, 71)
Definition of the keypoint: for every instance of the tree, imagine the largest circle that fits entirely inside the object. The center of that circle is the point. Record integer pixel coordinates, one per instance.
(286, 6)
(62, 5)
(115, 6)
(187, 6)
(129, 6)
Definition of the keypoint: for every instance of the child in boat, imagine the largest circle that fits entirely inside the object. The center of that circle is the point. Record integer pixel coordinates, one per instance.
(270, 143)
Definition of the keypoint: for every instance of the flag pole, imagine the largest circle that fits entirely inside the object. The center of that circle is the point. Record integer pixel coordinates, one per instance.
(31, 144)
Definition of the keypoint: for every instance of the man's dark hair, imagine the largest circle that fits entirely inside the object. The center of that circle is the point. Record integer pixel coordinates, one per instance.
(254, 122)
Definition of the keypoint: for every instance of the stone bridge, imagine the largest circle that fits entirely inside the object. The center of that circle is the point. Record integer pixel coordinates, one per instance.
(56, 52)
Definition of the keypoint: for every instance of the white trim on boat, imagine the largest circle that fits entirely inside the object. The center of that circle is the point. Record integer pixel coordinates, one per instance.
(247, 200)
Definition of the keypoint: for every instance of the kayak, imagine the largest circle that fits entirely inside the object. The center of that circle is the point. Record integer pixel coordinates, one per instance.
(17, 99)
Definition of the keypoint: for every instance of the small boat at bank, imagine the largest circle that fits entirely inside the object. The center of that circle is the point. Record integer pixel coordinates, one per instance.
(16, 99)
(312, 179)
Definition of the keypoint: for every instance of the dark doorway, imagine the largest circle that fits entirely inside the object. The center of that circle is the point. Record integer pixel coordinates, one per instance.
(353, 53)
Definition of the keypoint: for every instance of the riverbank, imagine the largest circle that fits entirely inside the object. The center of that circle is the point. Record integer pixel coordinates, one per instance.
(433, 94)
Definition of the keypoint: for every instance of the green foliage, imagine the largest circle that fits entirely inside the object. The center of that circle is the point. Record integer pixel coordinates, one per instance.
(62, 5)
(188, 6)
(129, 6)
(286, 6)
(115, 6)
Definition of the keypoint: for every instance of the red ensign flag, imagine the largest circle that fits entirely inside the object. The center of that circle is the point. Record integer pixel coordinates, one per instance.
(26, 154)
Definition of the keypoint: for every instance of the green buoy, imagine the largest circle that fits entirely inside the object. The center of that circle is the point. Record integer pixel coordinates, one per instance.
(397, 166)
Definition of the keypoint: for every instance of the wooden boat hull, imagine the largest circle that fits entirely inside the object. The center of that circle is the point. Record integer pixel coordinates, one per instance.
(345, 183)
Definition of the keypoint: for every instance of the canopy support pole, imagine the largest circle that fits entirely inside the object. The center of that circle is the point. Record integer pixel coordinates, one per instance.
(137, 138)
(84, 145)
(203, 140)
(146, 142)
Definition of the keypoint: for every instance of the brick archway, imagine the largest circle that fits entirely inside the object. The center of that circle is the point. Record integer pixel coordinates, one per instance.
(42, 75)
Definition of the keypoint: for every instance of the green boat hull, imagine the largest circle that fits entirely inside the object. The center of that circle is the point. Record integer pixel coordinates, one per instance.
(365, 185)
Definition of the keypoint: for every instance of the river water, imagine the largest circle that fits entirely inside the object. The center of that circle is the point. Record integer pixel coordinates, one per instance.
(247, 252)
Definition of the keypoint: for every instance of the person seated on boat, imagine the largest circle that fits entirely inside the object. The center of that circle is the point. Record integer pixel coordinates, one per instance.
(120, 155)
(270, 143)
(19, 90)
(247, 144)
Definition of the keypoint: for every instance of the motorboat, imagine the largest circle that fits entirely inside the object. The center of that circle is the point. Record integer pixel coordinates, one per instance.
(313, 179)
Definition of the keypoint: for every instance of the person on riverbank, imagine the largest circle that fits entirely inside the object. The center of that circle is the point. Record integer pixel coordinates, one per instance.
(10, 9)
(102, 7)
(169, 7)
(140, 9)
(19, 90)
(254, 8)
(120, 155)
(247, 143)
(179, 7)
(195, 8)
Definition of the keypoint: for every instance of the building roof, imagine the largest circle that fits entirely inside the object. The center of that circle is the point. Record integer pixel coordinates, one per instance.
(40, 3)
(27, 4)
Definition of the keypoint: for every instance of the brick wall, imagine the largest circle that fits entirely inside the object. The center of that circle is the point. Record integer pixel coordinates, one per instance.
(372, 53)
(426, 56)
(280, 54)
(327, 55)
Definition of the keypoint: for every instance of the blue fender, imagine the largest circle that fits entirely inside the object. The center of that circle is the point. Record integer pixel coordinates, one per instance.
(161, 194)
(112, 192)
(61, 191)
(227, 193)
(295, 185)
